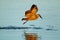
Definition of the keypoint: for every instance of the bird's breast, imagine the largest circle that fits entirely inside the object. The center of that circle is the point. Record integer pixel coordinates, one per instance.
(33, 17)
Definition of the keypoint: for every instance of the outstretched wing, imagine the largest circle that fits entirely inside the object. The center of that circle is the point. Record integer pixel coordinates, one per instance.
(27, 12)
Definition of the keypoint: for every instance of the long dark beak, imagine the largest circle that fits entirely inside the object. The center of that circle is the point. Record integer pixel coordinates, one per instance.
(41, 17)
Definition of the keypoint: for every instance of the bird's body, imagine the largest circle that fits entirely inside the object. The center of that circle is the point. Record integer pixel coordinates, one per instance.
(31, 14)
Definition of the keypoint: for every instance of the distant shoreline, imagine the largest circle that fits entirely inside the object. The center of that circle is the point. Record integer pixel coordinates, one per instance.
(20, 27)
(12, 27)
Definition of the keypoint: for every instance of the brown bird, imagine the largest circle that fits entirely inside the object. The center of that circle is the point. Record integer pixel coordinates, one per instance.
(31, 14)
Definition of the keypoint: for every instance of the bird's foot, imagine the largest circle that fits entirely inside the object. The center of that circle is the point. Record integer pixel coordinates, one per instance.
(23, 19)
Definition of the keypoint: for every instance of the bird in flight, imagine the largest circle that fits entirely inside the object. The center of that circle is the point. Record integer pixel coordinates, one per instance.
(31, 14)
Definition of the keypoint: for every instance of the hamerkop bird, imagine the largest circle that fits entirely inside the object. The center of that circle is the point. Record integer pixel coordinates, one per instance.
(31, 14)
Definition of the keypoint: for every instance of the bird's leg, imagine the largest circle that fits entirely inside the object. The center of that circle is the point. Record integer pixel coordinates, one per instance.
(25, 21)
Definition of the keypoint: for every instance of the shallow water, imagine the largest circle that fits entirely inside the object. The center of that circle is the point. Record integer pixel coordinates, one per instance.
(18, 34)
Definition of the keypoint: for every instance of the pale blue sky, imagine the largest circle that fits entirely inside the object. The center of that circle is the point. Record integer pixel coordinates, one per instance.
(12, 11)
